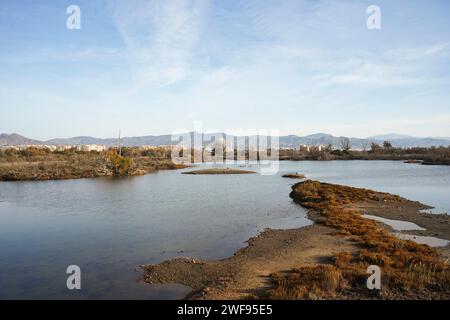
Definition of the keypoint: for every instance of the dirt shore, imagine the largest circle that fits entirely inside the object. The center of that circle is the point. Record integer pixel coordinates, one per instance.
(265, 267)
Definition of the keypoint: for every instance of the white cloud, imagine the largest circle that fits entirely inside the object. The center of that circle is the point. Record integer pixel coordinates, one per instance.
(413, 54)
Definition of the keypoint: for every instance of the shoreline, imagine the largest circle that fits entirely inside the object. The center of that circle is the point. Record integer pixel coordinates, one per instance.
(66, 170)
(261, 269)
(404, 160)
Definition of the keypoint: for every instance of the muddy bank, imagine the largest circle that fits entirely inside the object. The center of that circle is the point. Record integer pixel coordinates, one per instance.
(435, 225)
(247, 273)
(327, 260)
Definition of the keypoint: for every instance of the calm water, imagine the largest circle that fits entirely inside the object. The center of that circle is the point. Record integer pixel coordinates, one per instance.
(110, 226)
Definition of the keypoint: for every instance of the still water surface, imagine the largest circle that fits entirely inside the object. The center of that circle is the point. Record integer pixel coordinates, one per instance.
(109, 226)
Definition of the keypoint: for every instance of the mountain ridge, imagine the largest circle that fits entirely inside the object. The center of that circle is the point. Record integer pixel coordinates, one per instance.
(16, 139)
(397, 140)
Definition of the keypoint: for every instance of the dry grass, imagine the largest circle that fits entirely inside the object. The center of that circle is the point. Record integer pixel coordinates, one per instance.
(307, 282)
(408, 269)
(37, 164)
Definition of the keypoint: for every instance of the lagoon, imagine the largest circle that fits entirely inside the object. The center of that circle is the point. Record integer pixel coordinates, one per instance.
(110, 226)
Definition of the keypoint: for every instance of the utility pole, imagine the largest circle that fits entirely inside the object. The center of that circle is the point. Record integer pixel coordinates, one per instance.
(120, 146)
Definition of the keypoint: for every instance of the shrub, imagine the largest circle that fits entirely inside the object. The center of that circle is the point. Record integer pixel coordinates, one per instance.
(120, 166)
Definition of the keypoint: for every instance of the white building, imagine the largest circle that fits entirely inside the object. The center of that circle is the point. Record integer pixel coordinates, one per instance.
(91, 147)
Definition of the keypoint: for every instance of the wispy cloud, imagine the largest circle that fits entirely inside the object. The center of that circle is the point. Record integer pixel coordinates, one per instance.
(399, 66)
(63, 55)
(414, 54)
(160, 37)
(416, 126)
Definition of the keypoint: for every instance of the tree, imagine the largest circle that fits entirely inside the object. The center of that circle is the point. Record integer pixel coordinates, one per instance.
(365, 145)
(375, 147)
(119, 165)
(387, 145)
(345, 144)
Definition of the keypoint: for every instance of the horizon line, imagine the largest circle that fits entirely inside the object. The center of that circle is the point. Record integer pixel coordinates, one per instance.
(405, 136)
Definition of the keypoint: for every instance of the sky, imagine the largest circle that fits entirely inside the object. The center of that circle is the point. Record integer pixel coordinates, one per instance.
(155, 67)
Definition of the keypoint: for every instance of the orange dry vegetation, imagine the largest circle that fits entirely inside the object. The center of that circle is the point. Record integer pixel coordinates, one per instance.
(307, 282)
(409, 270)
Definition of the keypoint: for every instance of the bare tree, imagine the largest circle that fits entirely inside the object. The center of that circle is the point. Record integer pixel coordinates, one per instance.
(345, 144)
(365, 145)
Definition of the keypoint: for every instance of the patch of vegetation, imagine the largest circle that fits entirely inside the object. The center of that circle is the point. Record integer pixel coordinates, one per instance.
(429, 156)
(408, 269)
(120, 166)
(43, 164)
(307, 282)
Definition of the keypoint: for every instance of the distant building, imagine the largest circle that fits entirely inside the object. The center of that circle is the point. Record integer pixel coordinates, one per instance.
(313, 148)
(61, 148)
(303, 147)
(91, 147)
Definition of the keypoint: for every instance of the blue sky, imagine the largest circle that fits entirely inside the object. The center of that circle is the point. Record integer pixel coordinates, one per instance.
(152, 67)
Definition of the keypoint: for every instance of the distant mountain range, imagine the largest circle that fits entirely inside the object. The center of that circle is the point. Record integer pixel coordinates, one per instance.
(397, 140)
(15, 139)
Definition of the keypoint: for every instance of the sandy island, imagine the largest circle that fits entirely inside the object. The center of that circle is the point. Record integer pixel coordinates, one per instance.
(294, 176)
(219, 171)
(329, 259)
